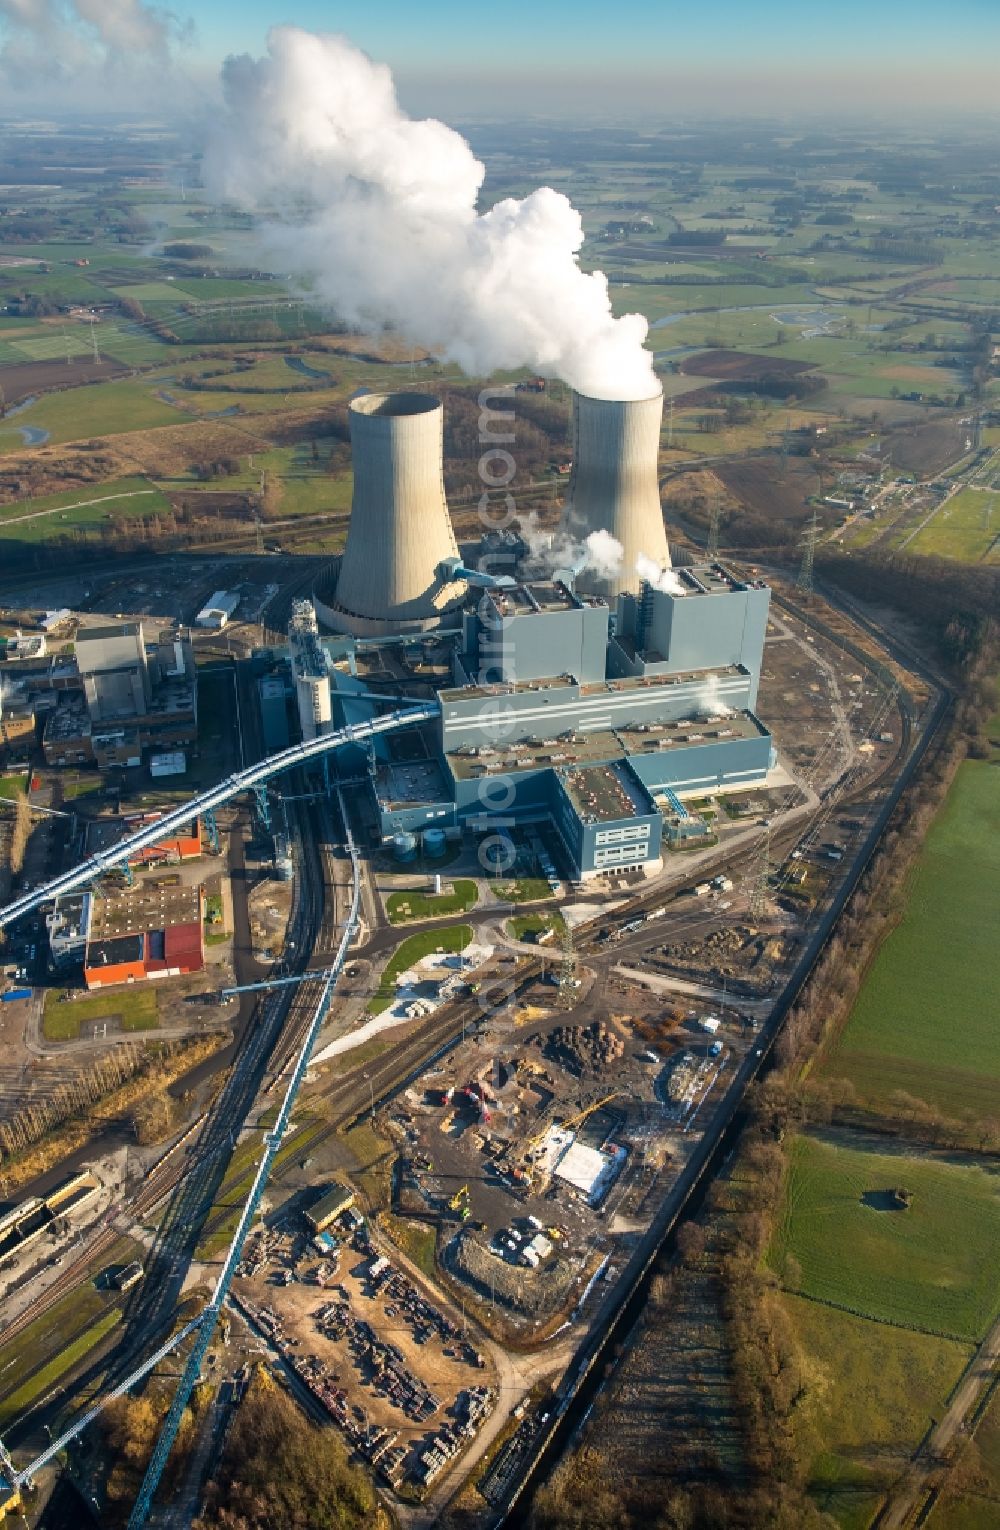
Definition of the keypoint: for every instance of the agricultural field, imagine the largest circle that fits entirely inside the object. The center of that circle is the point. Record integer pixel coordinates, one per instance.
(966, 528)
(53, 514)
(924, 1022)
(843, 1242)
(96, 409)
(871, 1393)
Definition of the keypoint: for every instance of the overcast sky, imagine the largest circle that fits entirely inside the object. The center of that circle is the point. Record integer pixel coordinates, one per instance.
(588, 57)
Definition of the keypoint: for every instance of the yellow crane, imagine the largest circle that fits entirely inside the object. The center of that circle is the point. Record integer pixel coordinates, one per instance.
(568, 1125)
(585, 1114)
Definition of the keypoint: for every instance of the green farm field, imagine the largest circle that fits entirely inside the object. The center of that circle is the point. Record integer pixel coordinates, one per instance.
(930, 1267)
(871, 1392)
(34, 520)
(97, 409)
(925, 1019)
(966, 528)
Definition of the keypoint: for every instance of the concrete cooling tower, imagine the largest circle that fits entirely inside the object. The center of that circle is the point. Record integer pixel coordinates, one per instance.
(614, 485)
(400, 533)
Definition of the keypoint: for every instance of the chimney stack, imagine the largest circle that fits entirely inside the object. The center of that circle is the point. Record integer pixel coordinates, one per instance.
(400, 530)
(614, 485)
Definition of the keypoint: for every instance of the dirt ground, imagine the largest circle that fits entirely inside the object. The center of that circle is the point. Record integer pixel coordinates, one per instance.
(23, 379)
(441, 1365)
(766, 487)
(270, 905)
(734, 366)
(930, 446)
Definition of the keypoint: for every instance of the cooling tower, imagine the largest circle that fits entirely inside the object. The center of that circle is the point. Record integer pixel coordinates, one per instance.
(400, 531)
(614, 484)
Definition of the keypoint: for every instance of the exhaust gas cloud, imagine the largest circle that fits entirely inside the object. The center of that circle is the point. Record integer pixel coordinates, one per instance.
(375, 214)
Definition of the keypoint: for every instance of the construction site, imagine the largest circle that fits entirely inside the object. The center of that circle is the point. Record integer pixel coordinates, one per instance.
(533, 1161)
(395, 1370)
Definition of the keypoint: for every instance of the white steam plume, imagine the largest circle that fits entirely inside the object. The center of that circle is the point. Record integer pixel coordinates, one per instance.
(660, 578)
(560, 555)
(710, 699)
(375, 214)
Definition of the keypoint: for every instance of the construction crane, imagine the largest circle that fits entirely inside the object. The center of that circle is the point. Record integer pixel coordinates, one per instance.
(570, 1124)
(584, 1115)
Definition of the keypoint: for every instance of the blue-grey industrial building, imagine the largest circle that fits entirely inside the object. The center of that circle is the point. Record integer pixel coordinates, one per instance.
(594, 718)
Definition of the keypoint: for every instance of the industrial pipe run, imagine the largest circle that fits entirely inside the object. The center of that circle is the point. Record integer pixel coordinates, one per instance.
(243, 780)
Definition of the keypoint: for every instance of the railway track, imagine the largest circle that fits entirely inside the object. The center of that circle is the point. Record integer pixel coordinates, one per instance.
(193, 1170)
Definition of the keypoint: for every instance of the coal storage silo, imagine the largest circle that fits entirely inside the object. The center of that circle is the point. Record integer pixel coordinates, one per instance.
(400, 535)
(614, 485)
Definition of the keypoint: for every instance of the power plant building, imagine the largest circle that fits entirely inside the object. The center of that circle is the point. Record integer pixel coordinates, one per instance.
(310, 671)
(113, 668)
(590, 706)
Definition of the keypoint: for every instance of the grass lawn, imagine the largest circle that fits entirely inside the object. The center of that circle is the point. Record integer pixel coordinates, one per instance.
(524, 890)
(965, 528)
(358, 1056)
(925, 1018)
(453, 937)
(45, 1378)
(230, 1198)
(870, 1393)
(931, 1267)
(12, 787)
(405, 907)
(533, 924)
(416, 1240)
(215, 929)
(135, 1007)
(374, 1157)
(79, 509)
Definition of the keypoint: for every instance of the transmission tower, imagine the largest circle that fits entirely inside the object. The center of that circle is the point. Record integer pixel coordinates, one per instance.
(714, 517)
(786, 435)
(93, 339)
(761, 877)
(670, 421)
(257, 514)
(809, 539)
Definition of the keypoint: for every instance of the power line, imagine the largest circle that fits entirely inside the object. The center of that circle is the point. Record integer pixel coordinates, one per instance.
(714, 518)
(761, 876)
(810, 537)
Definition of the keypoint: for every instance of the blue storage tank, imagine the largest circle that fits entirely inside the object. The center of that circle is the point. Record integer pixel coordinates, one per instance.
(404, 845)
(435, 842)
